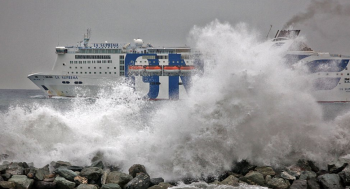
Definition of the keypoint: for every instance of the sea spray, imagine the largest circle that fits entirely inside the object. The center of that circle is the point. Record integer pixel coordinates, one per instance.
(248, 104)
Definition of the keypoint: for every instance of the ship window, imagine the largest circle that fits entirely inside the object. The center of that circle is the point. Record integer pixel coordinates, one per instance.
(80, 82)
(76, 72)
(70, 67)
(94, 67)
(89, 72)
(121, 67)
(109, 72)
(121, 73)
(115, 72)
(94, 72)
(67, 82)
(79, 62)
(100, 72)
(81, 67)
(105, 72)
(85, 72)
(121, 57)
(75, 62)
(100, 67)
(64, 82)
(76, 67)
(107, 67)
(88, 67)
(115, 67)
(81, 72)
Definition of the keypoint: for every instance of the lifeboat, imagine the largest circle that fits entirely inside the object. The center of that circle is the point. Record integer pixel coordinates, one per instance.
(186, 70)
(153, 70)
(136, 70)
(171, 70)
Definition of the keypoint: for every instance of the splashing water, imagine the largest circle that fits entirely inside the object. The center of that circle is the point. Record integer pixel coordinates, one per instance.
(247, 105)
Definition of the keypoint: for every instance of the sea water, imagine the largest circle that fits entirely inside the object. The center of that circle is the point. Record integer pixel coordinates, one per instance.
(246, 105)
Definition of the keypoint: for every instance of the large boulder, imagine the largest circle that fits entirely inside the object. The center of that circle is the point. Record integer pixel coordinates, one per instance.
(230, 180)
(98, 164)
(141, 181)
(156, 181)
(330, 181)
(87, 186)
(22, 182)
(7, 184)
(91, 173)
(254, 178)
(40, 173)
(3, 168)
(287, 176)
(111, 186)
(137, 168)
(278, 183)
(265, 170)
(306, 175)
(243, 167)
(75, 168)
(65, 173)
(44, 185)
(299, 184)
(15, 168)
(337, 166)
(118, 178)
(57, 164)
(345, 177)
(80, 180)
(62, 183)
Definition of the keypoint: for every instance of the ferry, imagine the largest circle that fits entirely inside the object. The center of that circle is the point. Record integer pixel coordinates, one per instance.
(328, 73)
(155, 72)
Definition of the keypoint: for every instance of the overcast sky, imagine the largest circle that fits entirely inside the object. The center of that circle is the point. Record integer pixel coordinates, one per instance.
(31, 29)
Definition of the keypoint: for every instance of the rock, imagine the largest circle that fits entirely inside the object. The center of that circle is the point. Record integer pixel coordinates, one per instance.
(49, 179)
(50, 175)
(306, 175)
(299, 184)
(304, 165)
(91, 173)
(230, 180)
(104, 176)
(6, 176)
(15, 168)
(345, 177)
(111, 186)
(330, 181)
(224, 175)
(75, 168)
(254, 178)
(65, 173)
(118, 178)
(243, 167)
(44, 185)
(141, 181)
(87, 186)
(62, 183)
(267, 178)
(137, 168)
(156, 181)
(80, 180)
(278, 183)
(40, 173)
(294, 171)
(336, 167)
(31, 173)
(161, 185)
(98, 164)
(265, 170)
(287, 176)
(21, 181)
(7, 184)
(3, 168)
(58, 164)
(313, 184)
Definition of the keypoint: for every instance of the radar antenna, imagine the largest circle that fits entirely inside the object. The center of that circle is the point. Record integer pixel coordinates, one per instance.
(267, 36)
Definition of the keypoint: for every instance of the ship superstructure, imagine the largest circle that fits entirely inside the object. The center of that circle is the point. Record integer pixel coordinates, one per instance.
(83, 69)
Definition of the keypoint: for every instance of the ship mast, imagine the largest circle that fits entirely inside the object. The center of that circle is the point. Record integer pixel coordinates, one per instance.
(87, 37)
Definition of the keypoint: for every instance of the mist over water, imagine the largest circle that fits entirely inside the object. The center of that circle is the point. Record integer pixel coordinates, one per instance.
(247, 105)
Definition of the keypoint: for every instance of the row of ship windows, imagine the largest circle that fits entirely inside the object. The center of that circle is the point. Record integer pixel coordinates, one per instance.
(121, 73)
(89, 61)
(120, 67)
(75, 82)
(140, 61)
(337, 74)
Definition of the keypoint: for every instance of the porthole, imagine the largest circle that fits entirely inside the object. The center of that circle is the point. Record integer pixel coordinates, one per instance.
(64, 64)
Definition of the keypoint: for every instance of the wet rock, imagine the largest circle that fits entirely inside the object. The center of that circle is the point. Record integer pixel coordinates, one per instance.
(75, 168)
(62, 183)
(254, 178)
(306, 175)
(91, 173)
(161, 185)
(294, 171)
(231, 180)
(141, 181)
(278, 183)
(345, 177)
(15, 169)
(137, 168)
(243, 167)
(3, 168)
(80, 180)
(7, 184)
(336, 167)
(40, 173)
(118, 178)
(156, 181)
(49, 179)
(87, 186)
(224, 175)
(313, 184)
(6, 176)
(111, 186)
(299, 184)
(65, 173)
(104, 176)
(31, 173)
(22, 182)
(44, 185)
(52, 175)
(287, 176)
(265, 170)
(330, 181)
(303, 164)
(98, 164)
(58, 164)
(268, 178)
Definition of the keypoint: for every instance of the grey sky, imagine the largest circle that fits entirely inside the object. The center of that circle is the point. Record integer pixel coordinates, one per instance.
(31, 29)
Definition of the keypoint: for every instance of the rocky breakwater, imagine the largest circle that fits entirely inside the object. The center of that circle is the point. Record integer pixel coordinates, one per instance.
(304, 174)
